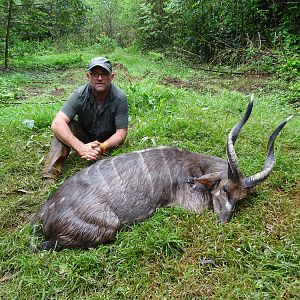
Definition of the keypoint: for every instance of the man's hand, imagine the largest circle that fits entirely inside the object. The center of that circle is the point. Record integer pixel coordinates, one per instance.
(90, 151)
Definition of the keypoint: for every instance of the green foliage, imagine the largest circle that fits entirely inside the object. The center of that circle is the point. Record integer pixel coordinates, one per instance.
(40, 20)
(52, 61)
(105, 43)
(7, 92)
(289, 92)
(42, 26)
(25, 48)
(290, 67)
(155, 26)
(205, 31)
(204, 28)
(113, 19)
(152, 98)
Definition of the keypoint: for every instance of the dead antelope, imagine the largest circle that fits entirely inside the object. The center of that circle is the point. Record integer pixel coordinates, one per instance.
(91, 206)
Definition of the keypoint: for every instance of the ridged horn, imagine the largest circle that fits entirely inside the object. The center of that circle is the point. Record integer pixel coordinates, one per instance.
(234, 172)
(254, 180)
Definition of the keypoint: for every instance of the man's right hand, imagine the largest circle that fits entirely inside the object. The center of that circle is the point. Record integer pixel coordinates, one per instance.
(60, 127)
(90, 151)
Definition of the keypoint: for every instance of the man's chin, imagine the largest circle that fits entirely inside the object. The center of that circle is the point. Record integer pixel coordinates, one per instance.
(100, 89)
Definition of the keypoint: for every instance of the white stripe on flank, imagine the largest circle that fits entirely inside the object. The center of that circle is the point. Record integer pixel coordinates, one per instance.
(104, 179)
(170, 175)
(147, 173)
(112, 161)
(150, 149)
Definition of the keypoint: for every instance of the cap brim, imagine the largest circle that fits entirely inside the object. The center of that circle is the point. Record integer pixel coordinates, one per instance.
(100, 65)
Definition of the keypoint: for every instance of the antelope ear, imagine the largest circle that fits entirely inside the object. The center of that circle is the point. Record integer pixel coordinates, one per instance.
(209, 180)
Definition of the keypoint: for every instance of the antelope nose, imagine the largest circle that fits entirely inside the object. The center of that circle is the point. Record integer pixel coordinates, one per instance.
(225, 216)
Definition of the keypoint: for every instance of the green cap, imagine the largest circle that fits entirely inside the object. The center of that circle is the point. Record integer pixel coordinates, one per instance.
(100, 62)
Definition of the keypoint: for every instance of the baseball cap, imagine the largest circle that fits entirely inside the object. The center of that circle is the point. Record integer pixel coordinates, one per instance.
(100, 62)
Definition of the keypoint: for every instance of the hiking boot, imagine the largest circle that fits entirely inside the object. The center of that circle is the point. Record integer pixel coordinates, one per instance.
(54, 162)
(48, 182)
(58, 153)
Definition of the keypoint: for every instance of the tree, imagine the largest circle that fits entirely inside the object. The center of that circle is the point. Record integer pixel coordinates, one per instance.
(9, 14)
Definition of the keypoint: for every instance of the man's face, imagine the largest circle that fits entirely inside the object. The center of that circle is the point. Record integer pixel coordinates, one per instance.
(100, 79)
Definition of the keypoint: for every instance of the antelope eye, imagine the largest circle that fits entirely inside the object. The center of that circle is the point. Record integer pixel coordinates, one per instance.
(224, 189)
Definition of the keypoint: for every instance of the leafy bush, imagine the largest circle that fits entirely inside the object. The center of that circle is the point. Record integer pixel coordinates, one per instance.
(21, 48)
(151, 98)
(7, 92)
(54, 61)
(290, 92)
(105, 43)
(290, 68)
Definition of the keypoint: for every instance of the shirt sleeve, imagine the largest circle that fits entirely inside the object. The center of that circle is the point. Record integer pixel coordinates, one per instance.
(121, 118)
(71, 107)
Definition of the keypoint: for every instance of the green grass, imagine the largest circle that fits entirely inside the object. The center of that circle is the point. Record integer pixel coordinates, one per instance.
(175, 254)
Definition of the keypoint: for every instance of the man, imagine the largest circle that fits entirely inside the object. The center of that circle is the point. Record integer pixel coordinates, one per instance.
(102, 112)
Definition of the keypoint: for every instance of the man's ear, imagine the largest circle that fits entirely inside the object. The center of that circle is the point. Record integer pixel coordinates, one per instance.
(112, 76)
(209, 180)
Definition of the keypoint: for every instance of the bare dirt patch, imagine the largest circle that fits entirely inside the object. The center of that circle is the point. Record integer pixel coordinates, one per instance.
(120, 67)
(32, 91)
(58, 92)
(243, 84)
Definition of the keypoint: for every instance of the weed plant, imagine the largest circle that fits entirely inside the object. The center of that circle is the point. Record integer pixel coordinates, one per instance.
(175, 254)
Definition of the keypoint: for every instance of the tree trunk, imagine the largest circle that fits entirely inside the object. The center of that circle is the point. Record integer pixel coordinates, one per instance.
(10, 2)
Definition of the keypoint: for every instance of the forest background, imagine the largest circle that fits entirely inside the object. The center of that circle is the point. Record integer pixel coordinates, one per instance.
(230, 31)
(188, 69)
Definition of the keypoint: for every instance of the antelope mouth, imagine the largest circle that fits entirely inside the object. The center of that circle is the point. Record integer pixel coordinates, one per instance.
(224, 216)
